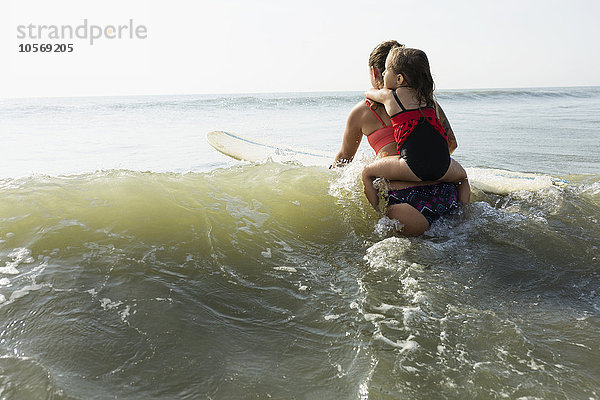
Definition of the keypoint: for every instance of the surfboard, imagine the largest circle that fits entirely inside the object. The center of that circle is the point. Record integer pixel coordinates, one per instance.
(248, 149)
(489, 180)
(501, 181)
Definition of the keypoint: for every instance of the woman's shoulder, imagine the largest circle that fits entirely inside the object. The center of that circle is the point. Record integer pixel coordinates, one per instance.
(367, 108)
(360, 110)
(361, 106)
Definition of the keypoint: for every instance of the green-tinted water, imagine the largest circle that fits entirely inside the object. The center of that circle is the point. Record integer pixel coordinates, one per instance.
(277, 281)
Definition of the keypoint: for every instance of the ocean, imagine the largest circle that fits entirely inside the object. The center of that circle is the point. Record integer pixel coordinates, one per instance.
(137, 262)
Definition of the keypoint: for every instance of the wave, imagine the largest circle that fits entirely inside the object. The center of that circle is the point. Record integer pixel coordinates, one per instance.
(256, 205)
(25, 108)
(264, 212)
(258, 260)
(516, 94)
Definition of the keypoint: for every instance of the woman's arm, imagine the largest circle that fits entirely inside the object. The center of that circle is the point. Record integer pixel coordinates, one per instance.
(352, 136)
(452, 143)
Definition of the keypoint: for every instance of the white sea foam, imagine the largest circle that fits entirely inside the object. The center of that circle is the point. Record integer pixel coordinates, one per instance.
(347, 183)
(266, 253)
(19, 256)
(386, 225)
(373, 317)
(409, 344)
(385, 307)
(412, 314)
(108, 304)
(382, 254)
(25, 290)
(285, 269)
(124, 313)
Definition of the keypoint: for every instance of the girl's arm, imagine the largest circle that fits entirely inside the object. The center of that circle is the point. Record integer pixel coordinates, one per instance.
(452, 143)
(378, 95)
(385, 97)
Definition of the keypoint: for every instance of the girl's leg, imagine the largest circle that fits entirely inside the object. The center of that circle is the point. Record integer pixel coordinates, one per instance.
(457, 174)
(392, 168)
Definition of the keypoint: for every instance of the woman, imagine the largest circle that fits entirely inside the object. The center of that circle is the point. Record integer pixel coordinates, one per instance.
(414, 205)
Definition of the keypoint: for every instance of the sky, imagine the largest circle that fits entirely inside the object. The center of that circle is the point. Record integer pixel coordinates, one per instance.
(257, 46)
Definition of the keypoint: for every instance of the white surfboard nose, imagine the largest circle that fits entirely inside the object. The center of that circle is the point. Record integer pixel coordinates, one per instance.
(249, 149)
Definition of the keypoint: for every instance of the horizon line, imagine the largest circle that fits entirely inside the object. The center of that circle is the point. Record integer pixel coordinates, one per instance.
(278, 92)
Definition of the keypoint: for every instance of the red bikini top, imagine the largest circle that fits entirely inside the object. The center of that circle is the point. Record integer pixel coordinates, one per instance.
(382, 136)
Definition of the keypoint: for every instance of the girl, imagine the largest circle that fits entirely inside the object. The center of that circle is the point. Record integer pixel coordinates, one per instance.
(422, 143)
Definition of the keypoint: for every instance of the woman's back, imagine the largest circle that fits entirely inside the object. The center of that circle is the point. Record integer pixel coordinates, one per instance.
(377, 127)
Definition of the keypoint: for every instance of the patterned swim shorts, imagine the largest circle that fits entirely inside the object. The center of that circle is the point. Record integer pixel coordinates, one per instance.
(432, 201)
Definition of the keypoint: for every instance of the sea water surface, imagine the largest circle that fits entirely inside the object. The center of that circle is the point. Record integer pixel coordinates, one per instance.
(136, 262)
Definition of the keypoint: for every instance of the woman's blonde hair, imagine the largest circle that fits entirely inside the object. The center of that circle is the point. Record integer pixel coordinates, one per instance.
(380, 53)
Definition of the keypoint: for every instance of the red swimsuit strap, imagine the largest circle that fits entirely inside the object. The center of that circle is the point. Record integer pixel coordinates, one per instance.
(373, 111)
